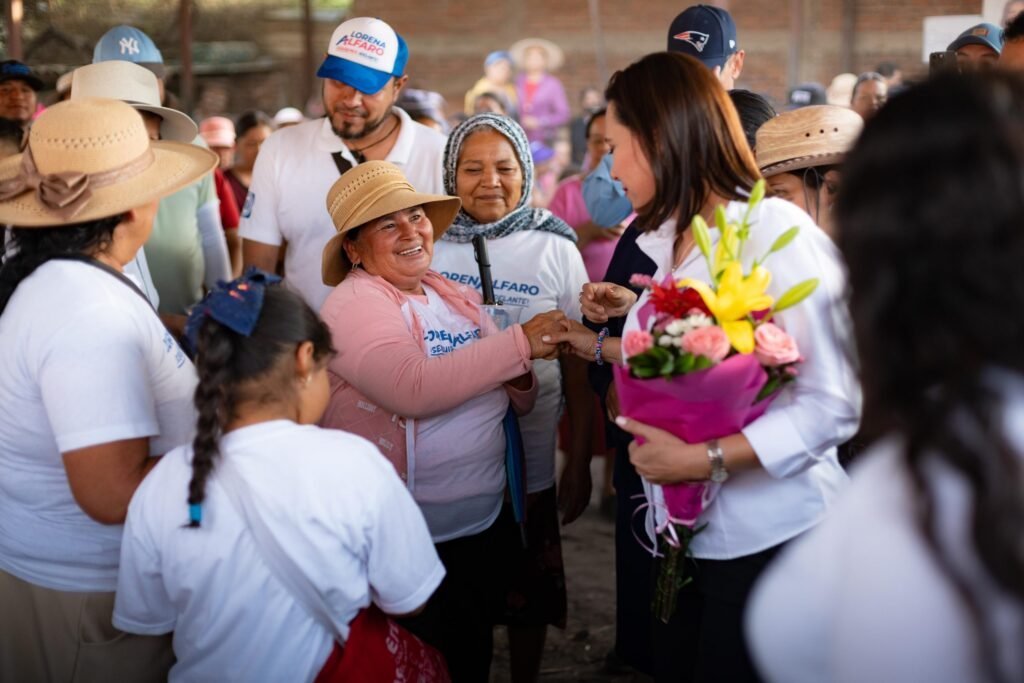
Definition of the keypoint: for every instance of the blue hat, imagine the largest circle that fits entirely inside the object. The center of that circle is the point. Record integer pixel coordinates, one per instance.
(705, 32)
(129, 44)
(364, 53)
(498, 56)
(13, 70)
(989, 35)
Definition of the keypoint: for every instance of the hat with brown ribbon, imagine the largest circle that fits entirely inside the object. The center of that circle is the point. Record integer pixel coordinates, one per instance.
(90, 159)
(806, 137)
(367, 192)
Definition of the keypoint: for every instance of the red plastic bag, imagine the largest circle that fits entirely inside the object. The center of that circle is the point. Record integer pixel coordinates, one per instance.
(378, 650)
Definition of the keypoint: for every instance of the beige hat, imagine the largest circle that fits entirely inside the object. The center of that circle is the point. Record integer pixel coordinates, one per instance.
(90, 159)
(806, 137)
(840, 91)
(136, 85)
(555, 55)
(367, 192)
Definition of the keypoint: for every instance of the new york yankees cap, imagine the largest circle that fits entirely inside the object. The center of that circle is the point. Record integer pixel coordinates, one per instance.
(129, 44)
(705, 32)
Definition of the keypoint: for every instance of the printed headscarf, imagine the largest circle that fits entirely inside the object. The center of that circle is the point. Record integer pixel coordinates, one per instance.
(523, 216)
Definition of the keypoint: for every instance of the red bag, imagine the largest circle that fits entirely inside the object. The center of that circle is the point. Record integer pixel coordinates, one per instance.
(378, 650)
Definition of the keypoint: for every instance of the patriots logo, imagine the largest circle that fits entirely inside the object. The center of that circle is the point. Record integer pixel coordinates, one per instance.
(695, 38)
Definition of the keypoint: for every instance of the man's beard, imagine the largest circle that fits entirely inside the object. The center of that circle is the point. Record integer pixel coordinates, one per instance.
(347, 132)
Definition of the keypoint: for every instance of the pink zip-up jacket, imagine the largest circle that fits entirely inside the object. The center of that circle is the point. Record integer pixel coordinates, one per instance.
(382, 379)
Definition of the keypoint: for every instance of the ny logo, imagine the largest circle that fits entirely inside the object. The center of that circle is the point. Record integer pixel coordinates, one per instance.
(129, 46)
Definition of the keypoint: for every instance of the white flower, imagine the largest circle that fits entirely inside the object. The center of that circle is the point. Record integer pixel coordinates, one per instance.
(665, 340)
(680, 326)
(676, 328)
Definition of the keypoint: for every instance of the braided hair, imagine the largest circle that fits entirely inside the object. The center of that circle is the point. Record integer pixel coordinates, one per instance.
(929, 222)
(258, 369)
(29, 248)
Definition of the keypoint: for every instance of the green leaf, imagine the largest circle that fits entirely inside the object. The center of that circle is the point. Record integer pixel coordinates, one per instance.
(701, 236)
(645, 373)
(668, 366)
(702, 363)
(783, 240)
(684, 363)
(757, 194)
(720, 220)
(769, 388)
(795, 295)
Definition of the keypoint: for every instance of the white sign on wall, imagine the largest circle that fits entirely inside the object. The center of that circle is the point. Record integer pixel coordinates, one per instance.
(939, 32)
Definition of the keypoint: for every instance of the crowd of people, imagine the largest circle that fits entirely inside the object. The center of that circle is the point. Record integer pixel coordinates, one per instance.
(281, 397)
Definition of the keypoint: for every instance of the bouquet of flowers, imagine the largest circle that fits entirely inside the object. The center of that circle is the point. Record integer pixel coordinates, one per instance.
(707, 362)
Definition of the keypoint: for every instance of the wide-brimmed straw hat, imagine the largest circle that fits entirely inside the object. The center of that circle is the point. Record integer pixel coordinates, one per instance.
(806, 137)
(90, 159)
(555, 55)
(367, 192)
(136, 85)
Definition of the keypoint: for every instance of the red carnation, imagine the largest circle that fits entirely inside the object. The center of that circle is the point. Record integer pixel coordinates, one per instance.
(677, 303)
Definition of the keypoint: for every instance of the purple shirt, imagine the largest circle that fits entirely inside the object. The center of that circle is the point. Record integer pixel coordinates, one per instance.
(548, 104)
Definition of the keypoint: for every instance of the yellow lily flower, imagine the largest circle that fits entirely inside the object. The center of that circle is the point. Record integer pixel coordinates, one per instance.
(735, 299)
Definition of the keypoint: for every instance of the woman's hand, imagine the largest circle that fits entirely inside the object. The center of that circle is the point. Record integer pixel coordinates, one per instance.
(600, 301)
(540, 326)
(575, 338)
(664, 458)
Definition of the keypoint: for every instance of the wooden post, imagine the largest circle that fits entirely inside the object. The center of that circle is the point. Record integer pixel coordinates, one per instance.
(308, 62)
(13, 13)
(847, 46)
(186, 76)
(599, 55)
(796, 42)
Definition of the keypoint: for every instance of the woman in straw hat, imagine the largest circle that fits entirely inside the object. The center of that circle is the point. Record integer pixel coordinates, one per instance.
(543, 106)
(799, 153)
(414, 375)
(92, 386)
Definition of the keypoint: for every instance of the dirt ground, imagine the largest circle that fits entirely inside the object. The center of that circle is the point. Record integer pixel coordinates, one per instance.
(578, 653)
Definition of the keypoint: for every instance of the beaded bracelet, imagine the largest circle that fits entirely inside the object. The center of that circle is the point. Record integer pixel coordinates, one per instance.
(600, 344)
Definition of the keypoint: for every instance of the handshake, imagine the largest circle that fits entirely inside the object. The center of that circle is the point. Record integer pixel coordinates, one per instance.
(553, 333)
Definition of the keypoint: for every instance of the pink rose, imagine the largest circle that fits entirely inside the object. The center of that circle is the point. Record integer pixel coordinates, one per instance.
(709, 341)
(636, 342)
(773, 346)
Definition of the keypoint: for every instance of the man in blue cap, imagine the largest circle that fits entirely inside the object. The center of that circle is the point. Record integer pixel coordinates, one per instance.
(363, 74)
(187, 250)
(709, 34)
(18, 88)
(978, 47)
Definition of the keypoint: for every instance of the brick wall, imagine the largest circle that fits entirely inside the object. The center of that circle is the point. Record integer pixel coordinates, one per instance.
(449, 38)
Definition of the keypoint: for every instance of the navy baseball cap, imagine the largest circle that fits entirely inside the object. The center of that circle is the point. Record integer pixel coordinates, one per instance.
(13, 70)
(989, 35)
(705, 32)
(364, 53)
(129, 44)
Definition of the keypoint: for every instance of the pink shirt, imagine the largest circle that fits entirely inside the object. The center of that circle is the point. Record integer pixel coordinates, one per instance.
(567, 203)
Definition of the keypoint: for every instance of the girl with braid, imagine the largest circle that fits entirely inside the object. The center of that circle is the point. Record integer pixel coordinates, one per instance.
(259, 543)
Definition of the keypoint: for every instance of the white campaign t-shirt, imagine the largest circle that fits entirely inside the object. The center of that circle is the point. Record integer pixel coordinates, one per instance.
(540, 271)
(288, 197)
(337, 508)
(84, 361)
(460, 454)
(795, 440)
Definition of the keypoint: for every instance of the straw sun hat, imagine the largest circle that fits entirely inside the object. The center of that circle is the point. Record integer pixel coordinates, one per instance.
(90, 159)
(806, 137)
(555, 55)
(136, 85)
(367, 192)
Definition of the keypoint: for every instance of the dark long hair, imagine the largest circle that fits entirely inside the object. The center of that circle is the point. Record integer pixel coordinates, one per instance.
(689, 131)
(233, 368)
(929, 219)
(30, 248)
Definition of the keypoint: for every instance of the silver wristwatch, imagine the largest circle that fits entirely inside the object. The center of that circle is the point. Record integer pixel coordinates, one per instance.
(718, 471)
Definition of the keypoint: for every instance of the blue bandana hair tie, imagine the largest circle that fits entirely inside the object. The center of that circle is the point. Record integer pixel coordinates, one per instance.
(235, 305)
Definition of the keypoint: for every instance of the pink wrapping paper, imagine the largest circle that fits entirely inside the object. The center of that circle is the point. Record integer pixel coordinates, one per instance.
(697, 407)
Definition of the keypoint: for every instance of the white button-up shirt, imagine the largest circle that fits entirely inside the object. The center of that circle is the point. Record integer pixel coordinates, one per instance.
(796, 439)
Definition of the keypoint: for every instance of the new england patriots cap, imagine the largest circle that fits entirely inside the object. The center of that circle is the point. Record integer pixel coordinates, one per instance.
(705, 32)
(364, 53)
(129, 44)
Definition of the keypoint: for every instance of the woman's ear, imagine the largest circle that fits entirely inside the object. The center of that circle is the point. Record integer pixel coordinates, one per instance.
(350, 251)
(305, 363)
